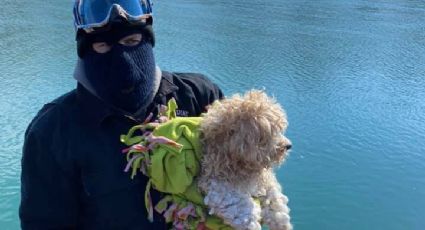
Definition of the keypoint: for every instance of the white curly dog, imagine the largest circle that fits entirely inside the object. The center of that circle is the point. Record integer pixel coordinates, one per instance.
(242, 139)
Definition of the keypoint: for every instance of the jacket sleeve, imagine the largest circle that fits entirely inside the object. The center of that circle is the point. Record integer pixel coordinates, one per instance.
(211, 90)
(204, 90)
(49, 192)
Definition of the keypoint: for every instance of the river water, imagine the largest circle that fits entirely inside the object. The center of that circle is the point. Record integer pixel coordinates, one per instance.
(350, 75)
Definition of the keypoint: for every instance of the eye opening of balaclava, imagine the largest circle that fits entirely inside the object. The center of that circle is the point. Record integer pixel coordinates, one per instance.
(124, 77)
(85, 40)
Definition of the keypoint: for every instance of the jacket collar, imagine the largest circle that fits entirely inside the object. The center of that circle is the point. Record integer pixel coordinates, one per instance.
(96, 110)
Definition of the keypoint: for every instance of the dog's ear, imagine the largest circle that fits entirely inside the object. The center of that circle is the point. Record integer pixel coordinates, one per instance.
(244, 143)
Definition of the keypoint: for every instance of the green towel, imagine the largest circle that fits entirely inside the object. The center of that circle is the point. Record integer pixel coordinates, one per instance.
(172, 170)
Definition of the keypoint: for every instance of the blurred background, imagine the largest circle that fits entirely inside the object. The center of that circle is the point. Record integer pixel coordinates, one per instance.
(350, 75)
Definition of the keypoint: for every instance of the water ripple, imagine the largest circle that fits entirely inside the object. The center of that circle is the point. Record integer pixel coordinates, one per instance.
(350, 75)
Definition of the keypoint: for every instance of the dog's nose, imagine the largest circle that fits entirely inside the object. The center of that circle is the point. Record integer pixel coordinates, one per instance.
(288, 146)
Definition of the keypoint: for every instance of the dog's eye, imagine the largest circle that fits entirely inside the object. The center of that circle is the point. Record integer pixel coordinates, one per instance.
(261, 140)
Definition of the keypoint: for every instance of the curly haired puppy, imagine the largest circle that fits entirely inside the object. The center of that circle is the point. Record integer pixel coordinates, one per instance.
(243, 140)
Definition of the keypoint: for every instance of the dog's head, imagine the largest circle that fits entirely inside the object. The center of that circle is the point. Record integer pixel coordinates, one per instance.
(245, 132)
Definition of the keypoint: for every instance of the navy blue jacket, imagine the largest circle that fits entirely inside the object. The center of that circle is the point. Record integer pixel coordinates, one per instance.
(72, 165)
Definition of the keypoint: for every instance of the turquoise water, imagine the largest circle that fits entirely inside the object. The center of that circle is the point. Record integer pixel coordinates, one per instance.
(350, 74)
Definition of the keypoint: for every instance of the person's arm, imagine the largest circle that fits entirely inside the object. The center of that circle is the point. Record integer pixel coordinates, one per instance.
(49, 191)
(211, 90)
(204, 90)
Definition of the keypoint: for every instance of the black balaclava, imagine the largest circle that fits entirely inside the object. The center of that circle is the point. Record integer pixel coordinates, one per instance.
(124, 77)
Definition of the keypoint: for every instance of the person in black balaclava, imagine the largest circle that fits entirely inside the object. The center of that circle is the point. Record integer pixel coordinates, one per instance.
(72, 163)
(124, 75)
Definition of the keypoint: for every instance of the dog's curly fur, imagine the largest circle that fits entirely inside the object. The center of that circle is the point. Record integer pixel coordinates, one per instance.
(242, 139)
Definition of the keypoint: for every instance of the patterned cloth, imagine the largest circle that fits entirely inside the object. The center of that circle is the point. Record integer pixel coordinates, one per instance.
(169, 154)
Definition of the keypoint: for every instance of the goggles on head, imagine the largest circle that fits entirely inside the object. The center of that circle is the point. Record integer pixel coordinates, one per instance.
(91, 15)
